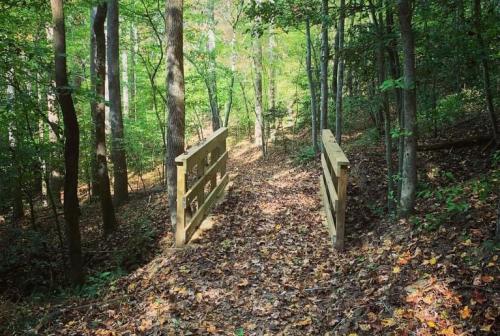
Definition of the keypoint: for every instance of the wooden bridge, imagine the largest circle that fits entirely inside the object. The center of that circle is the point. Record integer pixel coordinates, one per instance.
(202, 176)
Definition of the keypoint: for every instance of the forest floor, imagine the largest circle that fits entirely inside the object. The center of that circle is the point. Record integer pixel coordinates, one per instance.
(267, 267)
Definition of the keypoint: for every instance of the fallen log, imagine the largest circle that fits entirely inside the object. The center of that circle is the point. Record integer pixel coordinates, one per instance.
(469, 142)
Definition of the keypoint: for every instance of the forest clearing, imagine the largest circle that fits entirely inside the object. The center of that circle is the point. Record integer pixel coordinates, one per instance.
(249, 167)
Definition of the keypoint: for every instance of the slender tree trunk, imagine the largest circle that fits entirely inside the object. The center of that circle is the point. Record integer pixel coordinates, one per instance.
(71, 145)
(317, 83)
(175, 93)
(94, 177)
(15, 185)
(483, 54)
(118, 155)
(272, 69)
(132, 76)
(340, 76)
(212, 74)
(394, 67)
(107, 209)
(384, 106)
(324, 65)
(259, 118)
(335, 64)
(229, 103)
(126, 84)
(409, 174)
(312, 88)
(16, 191)
(55, 174)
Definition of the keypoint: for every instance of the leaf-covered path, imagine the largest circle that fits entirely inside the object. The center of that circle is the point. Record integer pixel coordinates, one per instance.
(265, 266)
(257, 270)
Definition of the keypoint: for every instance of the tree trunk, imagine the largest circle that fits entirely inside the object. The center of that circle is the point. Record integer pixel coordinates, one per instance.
(409, 173)
(229, 103)
(259, 118)
(126, 84)
(394, 67)
(71, 145)
(340, 75)
(94, 177)
(175, 94)
(483, 54)
(272, 69)
(335, 64)
(115, 113)
(312, 88)
(212, 74)
(384, 107)
(132, 76)
(55, 174)
(324, 65)
(107, 209)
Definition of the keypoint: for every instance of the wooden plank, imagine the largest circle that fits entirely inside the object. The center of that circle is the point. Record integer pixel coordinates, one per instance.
(199, 185)
(198, 152)
(340, 212)
(200, 215)
(332, 192)
(335, 154)
(330, 222)
(200, 172)
(180, 225)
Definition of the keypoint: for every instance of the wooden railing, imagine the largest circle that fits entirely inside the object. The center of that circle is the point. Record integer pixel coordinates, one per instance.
(333, 184)
(201, 177)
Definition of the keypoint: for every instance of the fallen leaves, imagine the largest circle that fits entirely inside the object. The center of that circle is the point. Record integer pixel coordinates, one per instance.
(304, 322)
(465, 313)
(276, 273)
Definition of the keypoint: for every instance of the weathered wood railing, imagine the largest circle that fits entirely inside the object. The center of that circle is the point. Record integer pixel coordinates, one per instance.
(201, 177)
(333, 184)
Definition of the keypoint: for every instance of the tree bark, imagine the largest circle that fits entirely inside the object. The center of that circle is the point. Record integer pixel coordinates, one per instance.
(132, 75)
(229, 102)
(324, 65)
(486, 70)
(384, 105)
(259, 118)
(335, 64)
(409, 173)
(55, 174)
(118, 155)
(212, 74)
(272, 68)
(175, 101)
(107, 209)
(394, 67)
(94, 176)
(340, 76)
(71, 145)
(312, 87)
(126, 84)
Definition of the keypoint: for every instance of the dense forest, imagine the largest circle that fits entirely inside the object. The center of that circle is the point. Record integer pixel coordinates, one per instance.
(99, 98)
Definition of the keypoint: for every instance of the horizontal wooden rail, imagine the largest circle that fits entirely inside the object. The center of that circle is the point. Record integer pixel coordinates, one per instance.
(201, 178)
(333, 187)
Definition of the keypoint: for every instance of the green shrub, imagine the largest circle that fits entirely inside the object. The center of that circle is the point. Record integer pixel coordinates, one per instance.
(304, 155)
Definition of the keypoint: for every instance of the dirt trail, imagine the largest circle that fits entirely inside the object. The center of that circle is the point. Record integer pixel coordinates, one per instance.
(258, 270)
(266, 267)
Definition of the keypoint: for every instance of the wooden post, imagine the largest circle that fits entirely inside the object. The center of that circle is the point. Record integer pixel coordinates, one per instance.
(180, 231)
(196, 158)
(340, 212)
(223, 150)
(200, 172)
